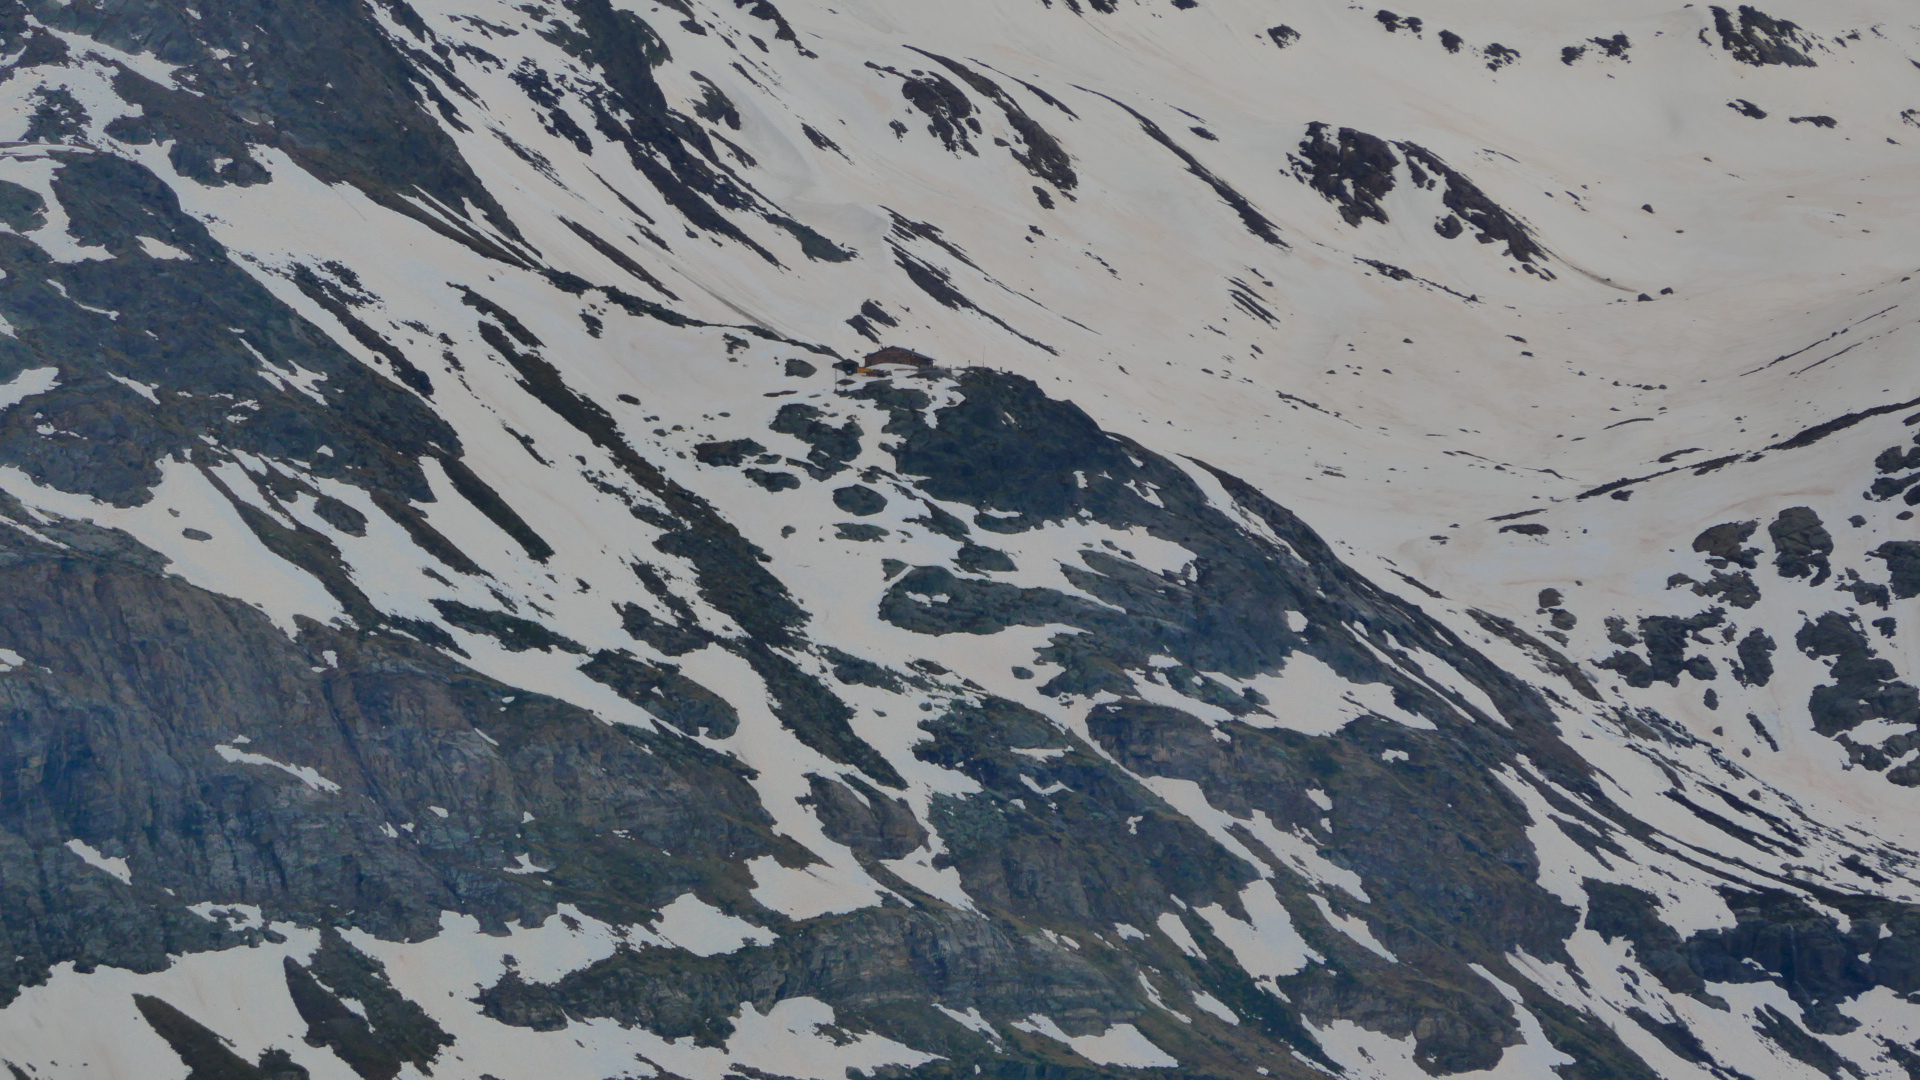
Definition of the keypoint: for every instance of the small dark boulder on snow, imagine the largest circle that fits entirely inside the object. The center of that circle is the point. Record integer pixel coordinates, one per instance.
(727, 454)
(1759, 39)
(859, 499)
(1903, 562)
(1722, 544)
(1801, 544)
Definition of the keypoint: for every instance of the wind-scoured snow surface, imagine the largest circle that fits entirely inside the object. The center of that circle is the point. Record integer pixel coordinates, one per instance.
(1026, 538)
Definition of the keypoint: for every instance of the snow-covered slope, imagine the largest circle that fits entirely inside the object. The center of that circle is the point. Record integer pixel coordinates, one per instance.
(1029, 538)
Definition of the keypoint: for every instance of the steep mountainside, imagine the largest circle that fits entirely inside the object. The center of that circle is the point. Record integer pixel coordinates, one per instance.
(1028, 539)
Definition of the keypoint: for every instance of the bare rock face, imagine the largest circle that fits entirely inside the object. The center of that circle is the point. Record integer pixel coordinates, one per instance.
(310, 777)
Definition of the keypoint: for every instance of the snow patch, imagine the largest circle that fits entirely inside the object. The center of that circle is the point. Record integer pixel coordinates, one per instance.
(1353, 927)
(971, 1020)
(116, 867)
(1214, 1005)
(1310, 697)
(1170, 925)
(1267, 947)
(306, 774)
(809, 891)
(1120, 1045)
(523, 864)
(26, 384)
(145, 390)
(704, 930)
(158, 249)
